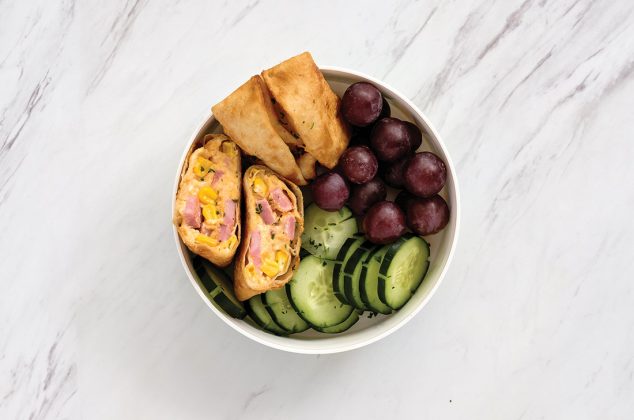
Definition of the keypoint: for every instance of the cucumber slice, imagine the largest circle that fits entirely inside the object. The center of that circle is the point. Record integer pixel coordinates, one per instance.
(369, 282)
(402, 270)
(261, 316)
(326, 231)
(219, 288)
(310, 292)
(352, 274)
(349, 246)
(349, 322)
(282, 312)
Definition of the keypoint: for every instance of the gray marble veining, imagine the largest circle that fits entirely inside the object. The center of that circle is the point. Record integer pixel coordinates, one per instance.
(534, 100)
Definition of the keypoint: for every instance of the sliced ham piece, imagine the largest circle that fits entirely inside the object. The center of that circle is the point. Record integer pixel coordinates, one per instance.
(230, 213)
(228, 221)
(254, 249)
(191, 214)
(265, 211)
(224, 232)
(289, 226)
(217, 177)
(281, 200)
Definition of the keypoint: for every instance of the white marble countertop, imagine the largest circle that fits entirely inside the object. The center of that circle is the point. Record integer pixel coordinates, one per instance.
(535, 102)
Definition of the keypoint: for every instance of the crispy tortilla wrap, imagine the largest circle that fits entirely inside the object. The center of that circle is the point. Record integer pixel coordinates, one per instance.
(274, 222)
(310, 108)
(207, 211)
(248, 117)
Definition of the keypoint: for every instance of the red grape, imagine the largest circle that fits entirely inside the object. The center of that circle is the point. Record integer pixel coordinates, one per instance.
(402, 199)
(393, 173)
(361, 104)
(364, 195)
(386, 111)
(415, 136)
(390, 139)
(359, 164)
(384, 223)
(330, 191)
(425, 174)
(426, 216)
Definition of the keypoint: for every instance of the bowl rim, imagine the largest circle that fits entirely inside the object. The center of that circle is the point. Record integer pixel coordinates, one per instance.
(307, 348)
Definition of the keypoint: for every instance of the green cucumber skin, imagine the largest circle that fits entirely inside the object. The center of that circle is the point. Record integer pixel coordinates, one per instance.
(385, 264)
(225, 303)
(339, 328)
(350, 251)
(349, 293)
(378, 307)
(325, 232)
(271, 314)
(343, 251)
(254, 317)
(356, 256)
(296, 302)
(417, 285)
(215, 292)
(385, 310)
(300, 312)
(337, 278)
(336, 287)
(383, 298)
(390, 253)
(278, 321)
(354, 263)
(208, 284)
(287, 287)
(272, 327)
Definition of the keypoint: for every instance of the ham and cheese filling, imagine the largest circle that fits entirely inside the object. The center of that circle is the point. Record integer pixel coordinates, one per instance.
(213, 193)
(271, 244)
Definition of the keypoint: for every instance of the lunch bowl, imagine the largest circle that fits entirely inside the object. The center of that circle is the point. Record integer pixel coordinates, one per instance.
(369, 328)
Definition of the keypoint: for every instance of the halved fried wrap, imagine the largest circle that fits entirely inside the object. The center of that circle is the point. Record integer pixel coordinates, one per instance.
(309, 107)
(274, 213)
(306, 163)
(207, 211)
(249, 118)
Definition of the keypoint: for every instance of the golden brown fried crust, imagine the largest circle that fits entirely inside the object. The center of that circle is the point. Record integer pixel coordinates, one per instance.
(311, 108)
(306, 163)
(243, 288)
(248, 117)
(219, 255)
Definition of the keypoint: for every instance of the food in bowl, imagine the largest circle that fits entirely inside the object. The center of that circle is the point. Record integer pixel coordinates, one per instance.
(248, 117)
(342, 271)
(309, 107)
(274, 212)
(208, 200)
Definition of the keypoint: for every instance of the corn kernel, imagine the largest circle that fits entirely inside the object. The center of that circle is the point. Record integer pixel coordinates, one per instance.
(281, 257)
(207, 195)
(202, 167)
(229, 149)
(270, 268)
(210, 212)
(204, 239)
(259, 187)
(231, 241)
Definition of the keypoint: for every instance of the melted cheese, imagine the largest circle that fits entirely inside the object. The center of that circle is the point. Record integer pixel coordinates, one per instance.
(214, 159)
(275, 245)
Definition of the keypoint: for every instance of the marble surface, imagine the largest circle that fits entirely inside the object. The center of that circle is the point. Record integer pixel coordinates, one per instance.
(535, 101)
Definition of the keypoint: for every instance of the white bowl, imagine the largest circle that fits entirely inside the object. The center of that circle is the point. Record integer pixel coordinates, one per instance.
(367, 330)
